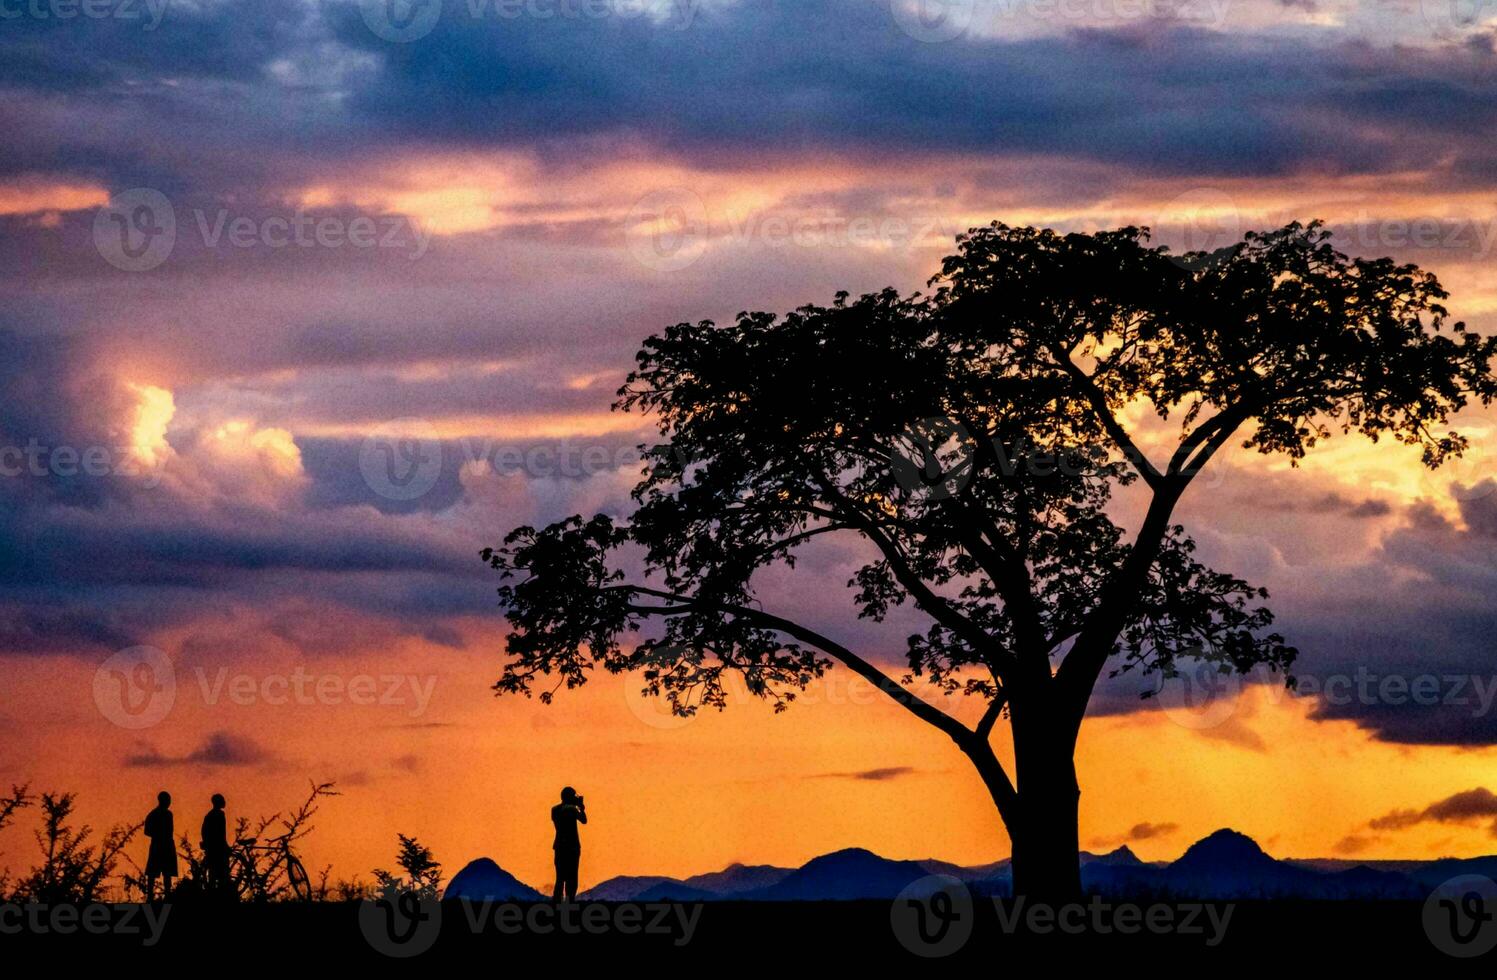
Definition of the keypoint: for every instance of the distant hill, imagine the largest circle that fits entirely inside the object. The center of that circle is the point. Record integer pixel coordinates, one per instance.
(731, 881)
(845, 875)
(483, 880)
(1225, 864)
(738, 878)
(1122, 857)
(679, 891)
(624, 888)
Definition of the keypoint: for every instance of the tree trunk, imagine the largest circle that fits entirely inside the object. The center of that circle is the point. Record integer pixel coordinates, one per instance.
(1044, 828)
(1041, 812)
(1046, 854)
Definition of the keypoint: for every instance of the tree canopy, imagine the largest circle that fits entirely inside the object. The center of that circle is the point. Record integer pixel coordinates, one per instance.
(973, 435)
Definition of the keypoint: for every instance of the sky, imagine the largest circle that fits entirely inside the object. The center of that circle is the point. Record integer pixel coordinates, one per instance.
(249, 250)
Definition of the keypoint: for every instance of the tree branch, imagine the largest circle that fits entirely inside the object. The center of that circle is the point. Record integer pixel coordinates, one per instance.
(934, 605)
(1098, 399)
(920, 708)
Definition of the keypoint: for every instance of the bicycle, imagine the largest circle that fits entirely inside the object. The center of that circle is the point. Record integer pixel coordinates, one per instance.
(285, 862)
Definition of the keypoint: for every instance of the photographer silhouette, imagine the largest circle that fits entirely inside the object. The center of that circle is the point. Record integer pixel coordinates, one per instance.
(566, 815)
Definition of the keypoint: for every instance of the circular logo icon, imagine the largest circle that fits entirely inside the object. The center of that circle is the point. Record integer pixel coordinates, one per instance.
(136, 688)
(933, 457)
(934, 21)
(655, 709)
(1469, 476)
(1200, 694)
(667, 229)
(399, 924)
(401, 21)
(137, 230)
(933, 916)
(1460, 916)
(1454, 16)
(1202, 219)
(402, 460)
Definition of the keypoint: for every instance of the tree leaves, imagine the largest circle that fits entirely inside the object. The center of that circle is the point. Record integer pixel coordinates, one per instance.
(972, 437)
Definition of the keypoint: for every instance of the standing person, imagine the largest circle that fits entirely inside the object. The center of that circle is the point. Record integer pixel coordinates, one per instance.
(566, 815)
(215, 845)
(162, 859)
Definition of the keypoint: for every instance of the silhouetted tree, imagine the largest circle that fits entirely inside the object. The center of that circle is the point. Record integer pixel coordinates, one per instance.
(423, 873)
(973, 437)
(72, 870)
(19, 799)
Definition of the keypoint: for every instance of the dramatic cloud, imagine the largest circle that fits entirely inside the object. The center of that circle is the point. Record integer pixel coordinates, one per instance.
(221, 749)
(1470, 806)
(1149, 831)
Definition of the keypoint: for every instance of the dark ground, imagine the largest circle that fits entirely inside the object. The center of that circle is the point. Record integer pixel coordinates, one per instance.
(749, 935)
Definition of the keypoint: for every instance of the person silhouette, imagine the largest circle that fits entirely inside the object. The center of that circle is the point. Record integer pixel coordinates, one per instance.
(161, 861)
(215, 845)
(566, 815)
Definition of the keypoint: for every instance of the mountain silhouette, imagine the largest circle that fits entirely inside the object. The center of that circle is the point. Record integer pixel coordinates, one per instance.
(1122, 857)
(854, 873)
(625, 888)
(1223, 865)
(1224, 851)
(736, 879)
(679, 891)
(733, 880)
(484, 881)
(1228, 864)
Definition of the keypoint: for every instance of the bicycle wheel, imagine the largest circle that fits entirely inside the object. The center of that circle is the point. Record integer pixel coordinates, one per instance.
(296, 877)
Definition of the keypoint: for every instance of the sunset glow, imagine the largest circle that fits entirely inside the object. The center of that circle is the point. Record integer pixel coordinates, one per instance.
(381, 317)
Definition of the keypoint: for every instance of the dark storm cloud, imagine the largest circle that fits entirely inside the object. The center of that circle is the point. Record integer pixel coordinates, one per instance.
(221, 749)
(1409, 654)
(279, 89)
(1461, 808)
(1398, 640)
